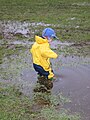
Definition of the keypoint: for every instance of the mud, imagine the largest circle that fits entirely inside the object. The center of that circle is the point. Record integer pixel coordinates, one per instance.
(72, 75)
(9, 29)
(73, 81)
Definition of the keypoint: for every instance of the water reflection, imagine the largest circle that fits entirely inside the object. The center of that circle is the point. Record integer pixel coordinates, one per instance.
(43, 85)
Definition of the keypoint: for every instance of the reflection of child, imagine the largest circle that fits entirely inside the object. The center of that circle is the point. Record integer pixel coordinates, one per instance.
(41, 53)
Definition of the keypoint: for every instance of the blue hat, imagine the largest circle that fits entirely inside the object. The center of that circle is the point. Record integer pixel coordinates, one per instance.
(49, 32)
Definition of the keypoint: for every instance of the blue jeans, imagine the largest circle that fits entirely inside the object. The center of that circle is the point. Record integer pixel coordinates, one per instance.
(39, 69)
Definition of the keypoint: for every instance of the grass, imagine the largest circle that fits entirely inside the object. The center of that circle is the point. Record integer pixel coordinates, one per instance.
(38, 10)
(71, 16)
(12, 104)
(71, 20)
(15, 106)
(7, 50)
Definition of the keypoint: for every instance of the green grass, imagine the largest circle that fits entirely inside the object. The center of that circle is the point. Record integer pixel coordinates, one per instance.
(68, 14)
(15, 106)
(6, 51)
(40, 10)
(72, 23)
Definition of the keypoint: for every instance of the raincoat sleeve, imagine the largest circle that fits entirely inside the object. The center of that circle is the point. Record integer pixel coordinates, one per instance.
(48, 53)
(30, 50)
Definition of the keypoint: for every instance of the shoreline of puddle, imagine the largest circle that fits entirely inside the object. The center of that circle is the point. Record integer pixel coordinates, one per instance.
(72, 72)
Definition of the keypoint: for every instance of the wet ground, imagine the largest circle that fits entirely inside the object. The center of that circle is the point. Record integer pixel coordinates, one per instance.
(11, 29)
(72, 72)
(72, 78)
(72, 81)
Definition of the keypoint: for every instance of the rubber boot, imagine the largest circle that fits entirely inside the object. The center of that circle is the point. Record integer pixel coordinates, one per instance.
(49, 84)
(42, 80)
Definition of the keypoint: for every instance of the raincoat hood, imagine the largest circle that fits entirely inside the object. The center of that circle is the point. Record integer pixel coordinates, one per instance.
(40, 40)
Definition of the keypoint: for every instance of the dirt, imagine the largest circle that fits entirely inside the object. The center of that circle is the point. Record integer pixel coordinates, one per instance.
(72, 81)
(72, 78)
(9, 29)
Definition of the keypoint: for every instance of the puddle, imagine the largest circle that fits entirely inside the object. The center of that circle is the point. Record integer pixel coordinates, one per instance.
(11, 28)
(72, 72)
(72, 77)
(22, 43)
(55, 44)
(74, 82)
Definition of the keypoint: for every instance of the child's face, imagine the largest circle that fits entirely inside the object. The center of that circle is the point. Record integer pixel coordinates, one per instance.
(50, 40)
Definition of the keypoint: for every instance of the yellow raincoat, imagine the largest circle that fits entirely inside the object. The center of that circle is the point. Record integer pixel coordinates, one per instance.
(41, 54)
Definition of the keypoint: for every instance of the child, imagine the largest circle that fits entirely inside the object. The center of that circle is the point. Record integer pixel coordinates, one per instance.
(42, 53)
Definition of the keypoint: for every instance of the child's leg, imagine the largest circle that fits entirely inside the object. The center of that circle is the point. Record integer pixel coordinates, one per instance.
(40, 70)
(44, 76)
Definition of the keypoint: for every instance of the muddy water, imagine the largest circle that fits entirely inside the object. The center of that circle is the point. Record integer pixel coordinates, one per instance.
(72, 77)
(74, 82)
(8, 29)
